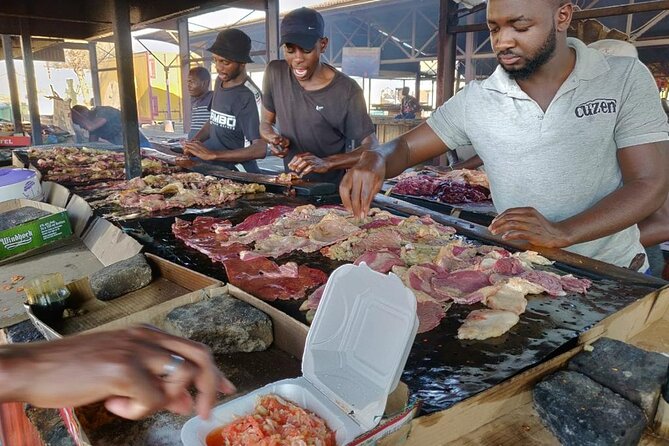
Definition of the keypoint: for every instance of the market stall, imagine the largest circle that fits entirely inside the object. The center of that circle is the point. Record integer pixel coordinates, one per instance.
(444, 372)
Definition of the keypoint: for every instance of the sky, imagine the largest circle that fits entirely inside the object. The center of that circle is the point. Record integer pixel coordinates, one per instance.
(230, 16)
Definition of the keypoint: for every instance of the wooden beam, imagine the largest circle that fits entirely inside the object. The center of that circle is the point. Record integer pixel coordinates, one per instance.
(126, 83)
(593, 13)
(95, 73)
(446, 50)
(31, 85)
(13, 86)
(184, 63)
(272, 29)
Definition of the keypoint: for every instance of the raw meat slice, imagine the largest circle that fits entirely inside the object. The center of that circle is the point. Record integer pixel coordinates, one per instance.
(550, 282)
(574, 284)
(381, 261)
(313, 300)
(506, 298)
(265, 279)
(465, 281)
(331, 229)
(484, 324)
(263, 218)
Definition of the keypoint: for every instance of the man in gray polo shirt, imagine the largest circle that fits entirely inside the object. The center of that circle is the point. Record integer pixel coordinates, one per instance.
(571, 138)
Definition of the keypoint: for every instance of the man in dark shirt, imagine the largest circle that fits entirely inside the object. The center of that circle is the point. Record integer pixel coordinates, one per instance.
(232, 134)
(409, 105)
(103, 123)
(311, 111)
(200, 98)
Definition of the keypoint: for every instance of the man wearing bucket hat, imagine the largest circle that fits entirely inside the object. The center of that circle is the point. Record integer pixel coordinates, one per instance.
(231, 136)
(312, 112)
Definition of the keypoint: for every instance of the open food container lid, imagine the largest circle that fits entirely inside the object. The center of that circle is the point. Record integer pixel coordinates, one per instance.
(19, 183)
(360, 340)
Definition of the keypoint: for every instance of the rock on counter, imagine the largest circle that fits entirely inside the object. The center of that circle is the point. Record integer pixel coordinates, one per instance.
(631, 372)
(225, 324)
(121, 278)
(19, 216)
(581, 412)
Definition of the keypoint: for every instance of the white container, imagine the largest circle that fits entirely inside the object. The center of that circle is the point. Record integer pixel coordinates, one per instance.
(354, 355)
(20, 183)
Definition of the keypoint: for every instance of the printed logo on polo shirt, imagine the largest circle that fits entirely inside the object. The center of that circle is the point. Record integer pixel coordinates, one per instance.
(222, 120)
(595, 107)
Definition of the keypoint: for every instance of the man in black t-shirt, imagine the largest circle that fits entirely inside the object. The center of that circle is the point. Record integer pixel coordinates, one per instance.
(232, 134)
(311, 111)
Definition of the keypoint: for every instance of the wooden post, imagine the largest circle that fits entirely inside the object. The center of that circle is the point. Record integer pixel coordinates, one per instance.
(13, 86)
(184, 64)
(31, 85)
(446, 56)
(272, 29)
(95, 73)
(126, 84)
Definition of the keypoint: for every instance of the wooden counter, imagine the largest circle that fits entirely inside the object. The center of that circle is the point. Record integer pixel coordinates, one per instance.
(388, 128)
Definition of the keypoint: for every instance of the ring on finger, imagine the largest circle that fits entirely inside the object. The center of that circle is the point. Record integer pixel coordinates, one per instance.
(172, 365)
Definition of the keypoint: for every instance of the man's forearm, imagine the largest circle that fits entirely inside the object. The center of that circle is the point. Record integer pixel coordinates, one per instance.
(619, 210)
(254, 151)
(203, 133)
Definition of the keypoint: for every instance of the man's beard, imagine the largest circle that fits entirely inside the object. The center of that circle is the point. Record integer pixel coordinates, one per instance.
(543, 55)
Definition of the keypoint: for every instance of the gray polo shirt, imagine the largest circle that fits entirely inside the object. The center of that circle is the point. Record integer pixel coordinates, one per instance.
(563, 161)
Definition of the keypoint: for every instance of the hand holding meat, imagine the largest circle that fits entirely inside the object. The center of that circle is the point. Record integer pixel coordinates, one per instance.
(305, 163)
(135, 372)
(196, 148)
(528, 224)
(362, 182)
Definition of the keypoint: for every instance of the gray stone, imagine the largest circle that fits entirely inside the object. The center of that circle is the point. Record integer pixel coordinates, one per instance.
(19, 216)
(225, 324)
(581, 412)
(121, 278)
(636, 374)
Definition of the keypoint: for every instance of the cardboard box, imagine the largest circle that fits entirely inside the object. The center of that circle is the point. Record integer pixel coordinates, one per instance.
(170, 281)
(504, 415)
(29, 237)
(289, 335)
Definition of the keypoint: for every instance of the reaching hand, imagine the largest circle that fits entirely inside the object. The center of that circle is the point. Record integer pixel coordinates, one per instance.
(362, 182)
(278, 144)
(528, 224)
(196, 148)
(135, 371)
(305, 163)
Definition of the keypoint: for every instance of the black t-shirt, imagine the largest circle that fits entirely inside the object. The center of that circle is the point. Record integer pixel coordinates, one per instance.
(112, 130)
(321, 122)
(234, 120)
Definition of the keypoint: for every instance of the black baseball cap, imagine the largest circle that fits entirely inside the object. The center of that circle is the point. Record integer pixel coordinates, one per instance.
(233, 44)
(302, 27)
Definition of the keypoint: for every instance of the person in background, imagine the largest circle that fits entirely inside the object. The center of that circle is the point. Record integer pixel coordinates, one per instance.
(103, 122)
(232, 134)
(135, 371)
(311, 111)
(409, 106)
(572, 140)
(200, 98)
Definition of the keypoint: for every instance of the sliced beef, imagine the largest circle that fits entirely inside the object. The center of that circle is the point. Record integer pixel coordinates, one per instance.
(381, 261)
(265, 279)
(550, 282)
(574, 284)
(263, 218)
